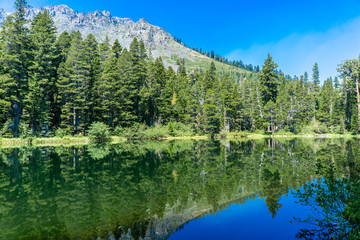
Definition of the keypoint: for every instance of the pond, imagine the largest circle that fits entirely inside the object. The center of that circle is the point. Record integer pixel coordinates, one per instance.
(163, 189)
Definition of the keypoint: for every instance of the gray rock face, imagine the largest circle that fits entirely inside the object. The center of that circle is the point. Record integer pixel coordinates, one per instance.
(102, 24)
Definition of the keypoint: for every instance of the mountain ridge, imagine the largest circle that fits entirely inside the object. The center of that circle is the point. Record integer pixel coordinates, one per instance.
(103, 23)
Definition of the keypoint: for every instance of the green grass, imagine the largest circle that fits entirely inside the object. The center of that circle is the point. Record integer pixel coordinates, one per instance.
(196, 60)
(81, 140)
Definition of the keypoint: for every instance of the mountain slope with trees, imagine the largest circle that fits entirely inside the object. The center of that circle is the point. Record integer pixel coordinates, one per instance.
(158, 42)
(52, 84)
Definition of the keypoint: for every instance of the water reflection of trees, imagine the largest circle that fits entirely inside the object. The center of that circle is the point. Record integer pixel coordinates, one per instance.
(145, 188)
(334, 200)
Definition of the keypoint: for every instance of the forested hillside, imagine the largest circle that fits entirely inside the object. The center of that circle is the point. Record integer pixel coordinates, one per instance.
(157, 41)
(50, 84)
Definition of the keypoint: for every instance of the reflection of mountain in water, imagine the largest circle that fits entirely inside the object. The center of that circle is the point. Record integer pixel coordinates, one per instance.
(165, 227)
(148, 190)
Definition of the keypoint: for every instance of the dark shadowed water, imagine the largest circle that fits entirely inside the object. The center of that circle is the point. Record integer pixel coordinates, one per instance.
(163, 189)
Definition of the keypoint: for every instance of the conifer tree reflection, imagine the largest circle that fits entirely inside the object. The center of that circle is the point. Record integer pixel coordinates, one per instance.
(140, 189)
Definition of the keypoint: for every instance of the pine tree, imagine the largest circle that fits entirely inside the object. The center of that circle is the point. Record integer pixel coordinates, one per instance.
(109, 81)
(15, 60)
(92, 57)
(7, 93)
(325, 111)
(104, 51)
(74, 78)
(125, 92)
(354, 122)
(350, 71)
(336, 83)
(152, 92)
(210, 112)
(282, 107)
(196, 103)
(210, 77)
(228, 94)
(182, 95)
(63, 45)
(269, 81)
(42, 73)
(316, 79)
(168, 99)
(269, 110)
(138, 59)
(315, 88)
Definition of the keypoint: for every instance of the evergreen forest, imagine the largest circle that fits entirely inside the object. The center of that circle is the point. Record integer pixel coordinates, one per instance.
(60, 84)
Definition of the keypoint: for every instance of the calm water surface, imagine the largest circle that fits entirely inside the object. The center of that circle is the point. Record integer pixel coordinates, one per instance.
(163, 190)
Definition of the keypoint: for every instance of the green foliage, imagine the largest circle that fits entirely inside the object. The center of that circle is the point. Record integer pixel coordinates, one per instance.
(99, 132)
(354, 122)
(336, 206)
(171, 128)
(6, 129)
(60, 133)
(25, 131)
(70, 82)
(316, 78)
(156, 131)
(15, 61)
(141, 131)
(177, 177)
(181, 129)
(260, 131)
(315, 127)
(136, 131)
(284, 132)
(98, 150)
(42, 85)
(269, 81)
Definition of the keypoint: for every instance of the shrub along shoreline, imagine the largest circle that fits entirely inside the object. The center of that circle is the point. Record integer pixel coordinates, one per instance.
(100, 132)
(84, 140)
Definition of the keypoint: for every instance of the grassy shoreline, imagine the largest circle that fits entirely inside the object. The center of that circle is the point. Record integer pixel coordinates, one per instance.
(81, 140)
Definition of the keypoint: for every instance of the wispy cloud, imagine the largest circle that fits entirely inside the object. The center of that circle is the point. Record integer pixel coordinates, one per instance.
(297, 53)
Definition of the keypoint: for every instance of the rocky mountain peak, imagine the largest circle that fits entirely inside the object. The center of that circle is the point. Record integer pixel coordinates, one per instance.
(142, 20)
(102, 24)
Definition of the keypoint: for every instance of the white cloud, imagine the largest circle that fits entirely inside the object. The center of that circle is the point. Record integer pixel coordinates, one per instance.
(297, 53)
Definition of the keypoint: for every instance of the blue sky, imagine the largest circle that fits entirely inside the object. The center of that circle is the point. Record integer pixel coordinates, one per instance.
(295, 33)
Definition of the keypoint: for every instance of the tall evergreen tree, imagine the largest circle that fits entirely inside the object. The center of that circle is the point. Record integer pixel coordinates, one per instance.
(15, 60)
(109, 82)
(269, 81)
(104, 51)
(42, 73)
(92, 57)
(138, 59)
(326, 104)
(315, 88)
(228, 94)
(350, 72)
(316, 78)
(74, 78)
(125, 92)
(63, 45)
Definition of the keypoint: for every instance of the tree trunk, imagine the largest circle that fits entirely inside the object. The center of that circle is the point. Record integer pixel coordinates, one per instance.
(358, 100)
(75, 121)
(17, 111)
(314, 107)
